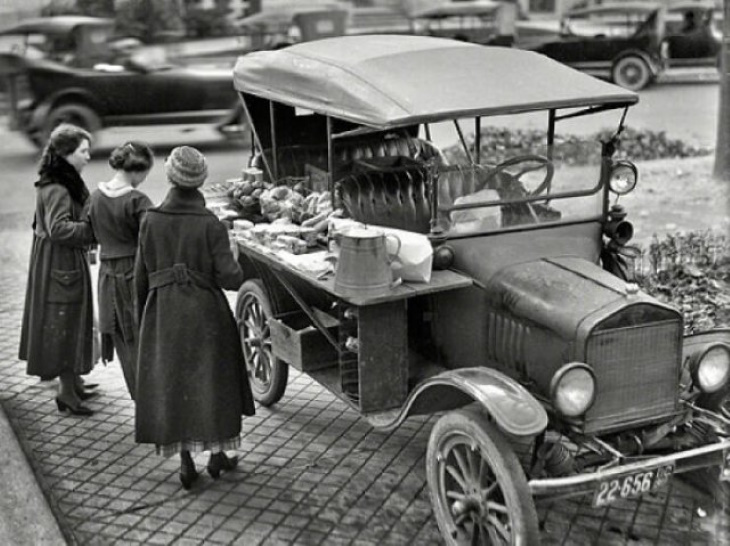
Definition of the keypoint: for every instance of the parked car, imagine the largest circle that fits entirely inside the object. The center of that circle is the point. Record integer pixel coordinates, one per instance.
(622, 42)
(693, 34)
(481, 22)
(552, 373)
(72, 68)
(287, 25)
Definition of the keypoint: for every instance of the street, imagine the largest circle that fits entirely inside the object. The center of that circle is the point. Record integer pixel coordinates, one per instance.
(687, 111)
(312, 472)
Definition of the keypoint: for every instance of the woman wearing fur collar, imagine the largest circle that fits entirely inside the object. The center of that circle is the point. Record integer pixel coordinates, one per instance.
(116, 211)
(56, 337)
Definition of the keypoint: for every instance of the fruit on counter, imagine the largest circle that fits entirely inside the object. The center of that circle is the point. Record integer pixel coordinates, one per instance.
(281, 202)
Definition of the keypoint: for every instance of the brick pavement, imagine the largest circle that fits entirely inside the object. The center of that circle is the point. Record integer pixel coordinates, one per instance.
(311, 471)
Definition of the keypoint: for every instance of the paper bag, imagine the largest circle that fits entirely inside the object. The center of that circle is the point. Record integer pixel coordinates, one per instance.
(415, 256)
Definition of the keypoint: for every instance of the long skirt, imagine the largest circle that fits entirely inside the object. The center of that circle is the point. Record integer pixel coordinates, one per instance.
(116, 316)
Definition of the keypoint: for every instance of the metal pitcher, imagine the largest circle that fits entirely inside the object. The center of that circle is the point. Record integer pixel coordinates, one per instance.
(363, 265)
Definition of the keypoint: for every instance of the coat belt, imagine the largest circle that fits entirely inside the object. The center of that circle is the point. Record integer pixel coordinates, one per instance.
(180, 274)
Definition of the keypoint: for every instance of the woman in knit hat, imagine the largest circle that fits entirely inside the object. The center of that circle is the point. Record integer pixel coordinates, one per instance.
(192, 387)
(116, 210)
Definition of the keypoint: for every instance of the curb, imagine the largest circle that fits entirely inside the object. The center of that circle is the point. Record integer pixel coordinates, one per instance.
(45, 524)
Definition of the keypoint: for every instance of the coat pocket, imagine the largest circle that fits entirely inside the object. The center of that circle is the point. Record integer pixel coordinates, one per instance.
(65, 286)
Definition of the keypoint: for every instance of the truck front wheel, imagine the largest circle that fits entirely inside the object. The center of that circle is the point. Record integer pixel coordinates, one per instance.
(478, 489)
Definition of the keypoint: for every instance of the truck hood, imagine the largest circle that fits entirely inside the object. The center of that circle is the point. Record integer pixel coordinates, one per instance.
(559, 293)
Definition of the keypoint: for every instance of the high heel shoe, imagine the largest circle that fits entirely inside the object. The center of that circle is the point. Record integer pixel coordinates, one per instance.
(220, 461)
(78, 410)
(83, 395)
(188, 473)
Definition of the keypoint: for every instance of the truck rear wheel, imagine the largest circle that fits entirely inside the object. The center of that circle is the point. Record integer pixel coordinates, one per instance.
(268, 374)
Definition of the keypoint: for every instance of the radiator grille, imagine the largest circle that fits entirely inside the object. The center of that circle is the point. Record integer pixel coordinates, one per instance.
(637, 370)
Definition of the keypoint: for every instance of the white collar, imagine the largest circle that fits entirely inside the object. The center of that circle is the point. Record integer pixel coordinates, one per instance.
(114, 192)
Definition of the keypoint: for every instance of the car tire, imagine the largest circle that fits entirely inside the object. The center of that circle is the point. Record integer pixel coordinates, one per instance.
(267, 374)
(77, 114)
(631, 72)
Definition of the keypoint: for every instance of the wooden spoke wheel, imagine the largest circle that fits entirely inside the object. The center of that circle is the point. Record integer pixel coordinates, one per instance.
(268, 374)
(478, 489)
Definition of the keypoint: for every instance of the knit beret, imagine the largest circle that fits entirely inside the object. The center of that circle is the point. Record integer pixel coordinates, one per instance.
(186, 167)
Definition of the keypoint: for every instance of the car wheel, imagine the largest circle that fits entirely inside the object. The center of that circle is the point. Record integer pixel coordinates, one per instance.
(76, 114)
(268, 374)
(631, 72)
(478, 489)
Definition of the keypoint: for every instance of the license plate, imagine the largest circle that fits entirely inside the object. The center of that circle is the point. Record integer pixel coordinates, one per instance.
(632, 485)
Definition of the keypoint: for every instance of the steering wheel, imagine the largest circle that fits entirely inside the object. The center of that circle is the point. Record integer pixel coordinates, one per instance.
(543, 162)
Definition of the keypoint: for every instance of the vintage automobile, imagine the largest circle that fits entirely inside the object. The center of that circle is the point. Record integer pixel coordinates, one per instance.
(67, 68)
(693, 34)
(287, 25)
(481, 22)
(623, 42)
(552, 373)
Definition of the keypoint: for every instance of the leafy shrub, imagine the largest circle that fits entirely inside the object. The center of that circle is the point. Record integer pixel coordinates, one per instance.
(690, 271)
(499, 143)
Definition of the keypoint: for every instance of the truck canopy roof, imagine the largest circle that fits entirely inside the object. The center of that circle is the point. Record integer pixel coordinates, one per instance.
(386, 81)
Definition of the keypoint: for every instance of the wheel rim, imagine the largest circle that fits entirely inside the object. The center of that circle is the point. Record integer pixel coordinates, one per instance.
(470, 495)
(632, 74)
(256, 343)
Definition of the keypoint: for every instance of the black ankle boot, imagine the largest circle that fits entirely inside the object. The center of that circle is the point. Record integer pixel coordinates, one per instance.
(188, 473)
(219, 462)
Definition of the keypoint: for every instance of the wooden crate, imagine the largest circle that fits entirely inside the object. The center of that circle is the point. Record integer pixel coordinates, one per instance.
(297, 341)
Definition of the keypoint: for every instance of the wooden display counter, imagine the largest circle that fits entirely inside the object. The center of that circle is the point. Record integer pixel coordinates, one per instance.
(367, 340)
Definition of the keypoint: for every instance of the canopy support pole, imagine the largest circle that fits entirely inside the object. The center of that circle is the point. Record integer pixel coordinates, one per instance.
(331, 162)
(256, 138)
(550, 144)
(478, 138)
(274, 151)
(463, 141)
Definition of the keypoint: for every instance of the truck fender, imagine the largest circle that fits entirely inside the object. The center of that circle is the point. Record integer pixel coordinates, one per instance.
(513, 408)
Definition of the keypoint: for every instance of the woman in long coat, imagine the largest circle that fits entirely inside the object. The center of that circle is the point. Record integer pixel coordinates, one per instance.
(56, 336)
(116, 210)
(192, 387)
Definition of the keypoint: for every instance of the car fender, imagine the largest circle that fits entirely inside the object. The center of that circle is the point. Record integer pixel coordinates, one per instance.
(696, 342)
(43, 109)
(655, 66)
(513, 409)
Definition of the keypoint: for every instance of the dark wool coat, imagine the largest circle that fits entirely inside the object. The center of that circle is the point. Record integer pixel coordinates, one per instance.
(57, 320)
(191, 379)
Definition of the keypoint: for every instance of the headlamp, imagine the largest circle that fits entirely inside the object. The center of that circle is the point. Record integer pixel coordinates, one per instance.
(573, 389)
(711, 368)
(624, 175)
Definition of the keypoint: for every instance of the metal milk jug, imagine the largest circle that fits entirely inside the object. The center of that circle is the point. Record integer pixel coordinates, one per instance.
(363, 265)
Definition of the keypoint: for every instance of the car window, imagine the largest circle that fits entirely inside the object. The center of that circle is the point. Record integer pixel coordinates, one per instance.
(33, 46)
(606, 24)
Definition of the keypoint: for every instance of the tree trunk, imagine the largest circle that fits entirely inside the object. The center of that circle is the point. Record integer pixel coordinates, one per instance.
(722, 149)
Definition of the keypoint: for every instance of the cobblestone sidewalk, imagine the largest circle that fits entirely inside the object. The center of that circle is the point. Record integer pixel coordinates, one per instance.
(311, 473)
